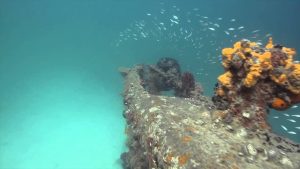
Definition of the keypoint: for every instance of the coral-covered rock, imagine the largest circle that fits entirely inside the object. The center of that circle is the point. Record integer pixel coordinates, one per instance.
(256, 78)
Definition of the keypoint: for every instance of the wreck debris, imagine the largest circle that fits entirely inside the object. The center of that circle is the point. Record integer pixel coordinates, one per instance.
(166, 76)
(185, 133)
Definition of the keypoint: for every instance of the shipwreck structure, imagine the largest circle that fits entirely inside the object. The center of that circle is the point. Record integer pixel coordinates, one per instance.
(172, 125)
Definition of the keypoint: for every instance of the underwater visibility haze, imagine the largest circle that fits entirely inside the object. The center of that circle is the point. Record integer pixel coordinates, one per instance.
(60, 90)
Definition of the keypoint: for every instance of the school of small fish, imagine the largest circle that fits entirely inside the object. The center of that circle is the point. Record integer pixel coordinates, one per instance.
(196, 31)
(293, 121)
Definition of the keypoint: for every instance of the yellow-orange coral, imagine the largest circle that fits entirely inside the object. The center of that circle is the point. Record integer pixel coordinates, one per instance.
(237, 45)
(288, 64)
(256, 63)
(253, 44)
(252, 76)
(246, 50)
(228, 52)
(296, 70)
(289, 51)
(220, 91)
(265, 57)
(270, 43)
(248, 62)
(264, 60)
(226, 79)
(227, 56)
(281, 79)
(266, 65)
(291, 80)
(261, 75)
(241, 55)
(294, 79)
(255, 54)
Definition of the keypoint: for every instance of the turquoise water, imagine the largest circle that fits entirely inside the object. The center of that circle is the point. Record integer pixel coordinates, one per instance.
(60, 103)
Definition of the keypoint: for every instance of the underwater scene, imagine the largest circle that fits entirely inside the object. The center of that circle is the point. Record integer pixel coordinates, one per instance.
(112, 84)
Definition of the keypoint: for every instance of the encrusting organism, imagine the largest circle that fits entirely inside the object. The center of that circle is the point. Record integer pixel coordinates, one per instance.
(166, 76)
(257, 78)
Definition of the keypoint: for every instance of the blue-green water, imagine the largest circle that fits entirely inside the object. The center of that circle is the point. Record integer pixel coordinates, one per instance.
(60, 103)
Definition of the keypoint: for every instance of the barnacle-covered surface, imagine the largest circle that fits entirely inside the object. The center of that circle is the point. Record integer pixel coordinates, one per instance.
(178, 132)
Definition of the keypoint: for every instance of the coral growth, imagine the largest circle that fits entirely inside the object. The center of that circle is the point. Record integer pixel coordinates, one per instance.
(166, 76)
(186, 86)
(256, 78)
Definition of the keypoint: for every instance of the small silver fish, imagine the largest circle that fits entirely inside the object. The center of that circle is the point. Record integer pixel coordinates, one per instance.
(188, 35)
(275, 117)
(143, 35)
(268, 35)
(227, 33)
(296, 62)
(287, 115)
(217, 25)
(297, 128)
(213, 29)
(292, 132)
(241, 27)
(296, 115)
(295, 106)
(257, 30)
(231, 29)
(173, 21)
(175, 17)
(282, 126)
(292, 120)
